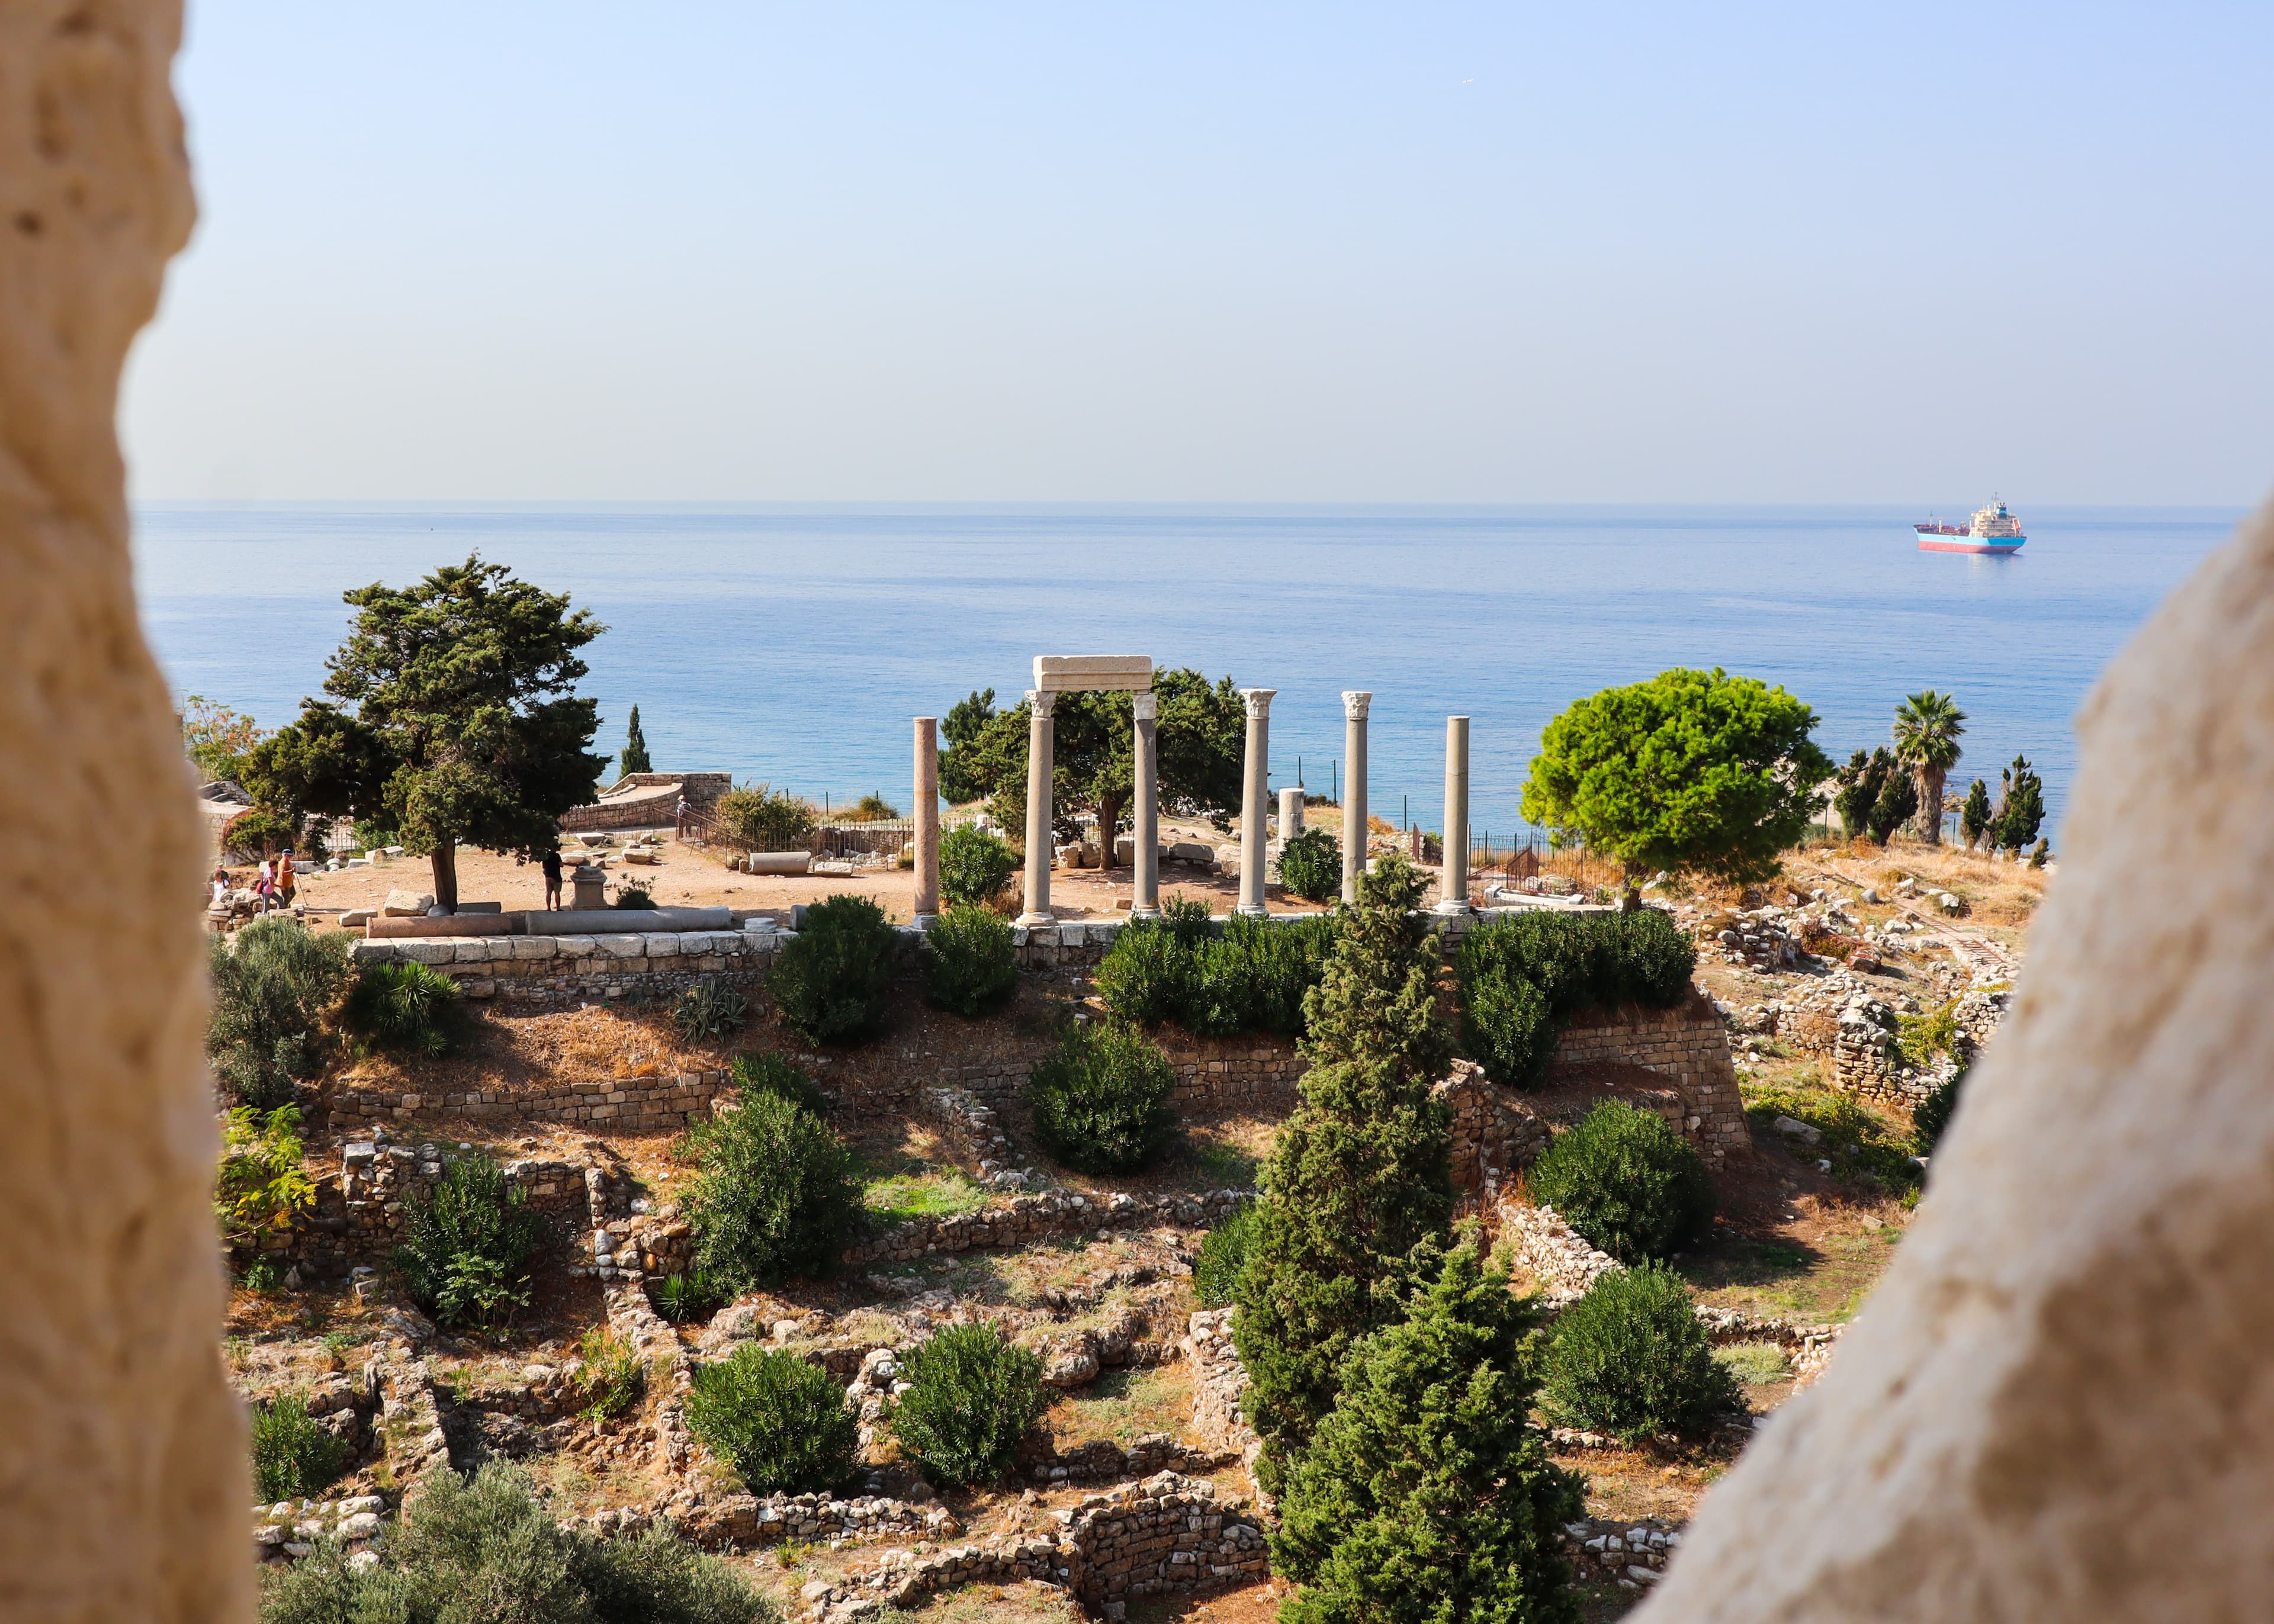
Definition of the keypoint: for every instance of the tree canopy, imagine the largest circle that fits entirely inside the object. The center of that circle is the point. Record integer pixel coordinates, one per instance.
(634, 757)
(1199, 741)
(1928, 726)
(464, 729)
(1691, 770)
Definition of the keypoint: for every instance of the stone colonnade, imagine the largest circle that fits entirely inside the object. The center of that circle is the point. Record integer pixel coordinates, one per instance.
(1059, 673)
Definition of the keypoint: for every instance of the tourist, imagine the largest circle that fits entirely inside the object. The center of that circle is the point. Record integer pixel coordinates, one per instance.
(221, 887)
(263, 886)
(552, 865)
(286, 882)
(685, 812)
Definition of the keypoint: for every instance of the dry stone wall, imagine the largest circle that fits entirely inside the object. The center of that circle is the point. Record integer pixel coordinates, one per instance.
(1689, 1046)
(634, 966)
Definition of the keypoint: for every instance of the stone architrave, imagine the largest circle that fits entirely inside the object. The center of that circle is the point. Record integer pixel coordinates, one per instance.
(1040, 745)
(1355, 702)
(1145, 840)
(1454, 899)
(1255, 798)
(927, 818)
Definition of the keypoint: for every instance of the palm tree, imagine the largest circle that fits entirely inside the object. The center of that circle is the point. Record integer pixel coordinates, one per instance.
(1927, 726)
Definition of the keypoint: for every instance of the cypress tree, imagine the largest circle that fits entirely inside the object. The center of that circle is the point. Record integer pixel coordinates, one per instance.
(1360, 1173)
(1425, 1495)
(1974, 819)
(634, 757)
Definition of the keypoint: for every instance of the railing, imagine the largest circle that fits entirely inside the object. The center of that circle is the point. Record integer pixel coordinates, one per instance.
(1528, 856)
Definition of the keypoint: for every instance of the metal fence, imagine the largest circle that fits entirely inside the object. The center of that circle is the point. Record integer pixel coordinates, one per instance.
(1530, 856)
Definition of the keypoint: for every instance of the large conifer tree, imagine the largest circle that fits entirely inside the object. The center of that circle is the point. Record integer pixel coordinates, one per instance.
(1425, 1495)
(1360, 1173)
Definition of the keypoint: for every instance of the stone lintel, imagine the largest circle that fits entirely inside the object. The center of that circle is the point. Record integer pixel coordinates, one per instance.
(1067, 673)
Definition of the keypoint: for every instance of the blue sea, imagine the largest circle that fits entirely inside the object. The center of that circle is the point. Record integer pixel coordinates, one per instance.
(792, 643)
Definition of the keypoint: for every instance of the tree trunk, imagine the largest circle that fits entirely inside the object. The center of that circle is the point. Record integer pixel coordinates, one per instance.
(445, 861)
(1930, 806)
(1109, 816)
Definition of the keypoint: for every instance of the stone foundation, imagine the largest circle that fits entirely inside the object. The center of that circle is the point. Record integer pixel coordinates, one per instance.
(1688, 1046)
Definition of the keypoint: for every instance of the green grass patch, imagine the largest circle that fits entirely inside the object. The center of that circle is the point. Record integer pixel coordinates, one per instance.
(1757, 1364)
(919, 1189)
(1862, 1146)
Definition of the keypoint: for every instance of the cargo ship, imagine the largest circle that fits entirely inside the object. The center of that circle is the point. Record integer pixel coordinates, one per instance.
(1992, 530)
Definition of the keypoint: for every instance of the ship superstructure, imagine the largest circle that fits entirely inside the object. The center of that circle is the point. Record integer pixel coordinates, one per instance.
(1992, 530)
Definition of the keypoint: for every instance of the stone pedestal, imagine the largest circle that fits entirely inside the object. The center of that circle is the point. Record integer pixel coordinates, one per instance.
(1355, 702)
(1255, 798)
(1041, 743)
(1145, 835)
(1454, 899)
(1291, 814)
(927, 819)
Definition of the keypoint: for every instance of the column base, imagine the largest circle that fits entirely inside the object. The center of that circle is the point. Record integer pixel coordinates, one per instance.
(923, 922)
(1253, 910)
(1147, 912)
(1455, 910)
(1029, 921)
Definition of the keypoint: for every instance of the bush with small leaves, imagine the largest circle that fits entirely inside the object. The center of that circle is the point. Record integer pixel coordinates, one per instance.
(615, 1375)
(293, 1454)
(260, 1187)
(831, 979)
(713, 1008)
(273, 988)
(970, 966)
(768, 1072)
(679, 1298)
(973, 865)
(1311, 865)
(634, 897)
(487, 1548)
(1223, 1255)
(972, 1395)
(1101, 1101)
(1630, 1359)
(1146, 975)
(775, 1196)
(1521, 978)
(1626, 1181)
(466, 1248)
(405, 1009)
(782, 1423)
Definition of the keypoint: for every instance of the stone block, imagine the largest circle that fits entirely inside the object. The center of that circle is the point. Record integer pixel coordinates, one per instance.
(471, 950)
(663, 944)
(573, 947)
(621, 947)
(427, 950)
(372, 952)
(534, 947)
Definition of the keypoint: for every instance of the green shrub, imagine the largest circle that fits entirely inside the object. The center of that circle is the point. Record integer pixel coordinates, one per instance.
(970, 966)
(1223, 1255)
(758, 818)
(692, 1295)
(1188, 919)
(262, 1277)
(1521, 978)
(1284, 961)
(292, 1455)
(260, 1187)
(1630, 1359)
(775, 1196)
(782, 1423)
(1101, 1101)
(1626, 1181)
(272, 990)
(1311, 865)
(713, 1008)
(466, 1248)
(1931, 1118)
(973, 865)
(769, 1073)
(830, 980)
(634, 897)
(972, 1395)
(405, 1009)
(257, 831)
(615, 1375)
(1146, 975)
(486, 1548)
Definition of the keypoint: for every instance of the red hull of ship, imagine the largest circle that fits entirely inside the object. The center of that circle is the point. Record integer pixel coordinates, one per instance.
(1937, 544)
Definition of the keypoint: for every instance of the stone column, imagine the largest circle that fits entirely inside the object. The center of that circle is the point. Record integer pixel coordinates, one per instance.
(1255, 798)
(1355, 702)
(927, 814)
(1291, 814)
(1455, 898)
(1041, 738)
(1144, 837)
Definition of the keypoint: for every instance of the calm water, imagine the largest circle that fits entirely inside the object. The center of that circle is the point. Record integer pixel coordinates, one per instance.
(793, 643)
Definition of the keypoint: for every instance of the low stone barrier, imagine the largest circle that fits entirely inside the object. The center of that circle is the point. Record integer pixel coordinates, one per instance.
(1688, 1046)
(1562, 1260)
(1022, 1219)
(582, 968)
(1219, 1384)
(1631, 1554)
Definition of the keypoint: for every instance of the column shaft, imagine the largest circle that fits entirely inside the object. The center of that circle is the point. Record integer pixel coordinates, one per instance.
(1255, 798)
(1145, 835)
(1355, 702)
(1041, 741)
(1455, 898)
(927, 818)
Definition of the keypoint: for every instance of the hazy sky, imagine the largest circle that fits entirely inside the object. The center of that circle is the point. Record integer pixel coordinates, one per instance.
(1162, 252)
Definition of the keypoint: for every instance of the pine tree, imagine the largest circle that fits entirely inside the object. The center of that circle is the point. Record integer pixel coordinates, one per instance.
(1360, 1173)
(1975, 818)
(635, 756)
(1898, 801)
(1425, 1495)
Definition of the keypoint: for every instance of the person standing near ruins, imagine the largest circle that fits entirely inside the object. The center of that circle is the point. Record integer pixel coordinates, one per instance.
(684, 809)
(552, 867)
(287, 883)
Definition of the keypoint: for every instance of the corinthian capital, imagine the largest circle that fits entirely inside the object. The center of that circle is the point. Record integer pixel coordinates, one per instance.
(1045, 702)
(1259, 701)
(1147, 704)
(1355, 700)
